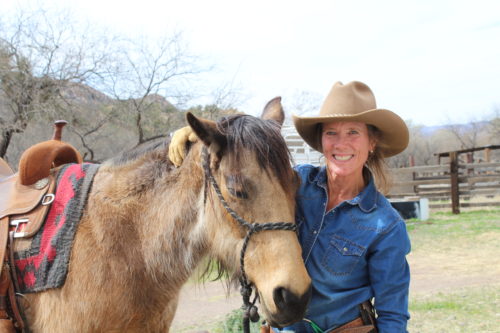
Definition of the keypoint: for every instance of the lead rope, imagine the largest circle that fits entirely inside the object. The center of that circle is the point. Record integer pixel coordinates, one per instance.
(250, 311)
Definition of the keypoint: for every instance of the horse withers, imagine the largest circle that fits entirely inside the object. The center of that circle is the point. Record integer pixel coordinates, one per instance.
(147, 225)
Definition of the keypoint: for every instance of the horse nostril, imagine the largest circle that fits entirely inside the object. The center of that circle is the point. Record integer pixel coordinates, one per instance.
(290, 306)
(281, 297)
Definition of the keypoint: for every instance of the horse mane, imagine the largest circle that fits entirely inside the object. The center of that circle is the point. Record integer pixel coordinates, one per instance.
(262, 137)
(125, 157)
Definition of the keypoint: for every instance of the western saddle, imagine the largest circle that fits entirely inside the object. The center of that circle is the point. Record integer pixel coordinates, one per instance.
(25, 198)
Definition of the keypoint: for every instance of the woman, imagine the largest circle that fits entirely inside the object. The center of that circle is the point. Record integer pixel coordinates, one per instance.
(354, 244)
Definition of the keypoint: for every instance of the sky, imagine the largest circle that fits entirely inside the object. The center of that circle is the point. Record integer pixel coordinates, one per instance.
(432, 62)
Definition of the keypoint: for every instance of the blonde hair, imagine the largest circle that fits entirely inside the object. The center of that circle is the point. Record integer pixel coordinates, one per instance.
(376, 163)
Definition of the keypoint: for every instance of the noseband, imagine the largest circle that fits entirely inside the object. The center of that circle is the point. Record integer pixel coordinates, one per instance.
(249, 308)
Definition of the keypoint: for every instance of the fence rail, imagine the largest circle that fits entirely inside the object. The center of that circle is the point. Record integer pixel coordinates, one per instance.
(479, 181)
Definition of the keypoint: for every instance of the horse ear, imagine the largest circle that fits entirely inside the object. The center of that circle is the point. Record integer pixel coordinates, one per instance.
(274, 111)
(207, 131)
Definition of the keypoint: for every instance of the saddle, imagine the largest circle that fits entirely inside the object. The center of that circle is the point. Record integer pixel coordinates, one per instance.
(25, 199)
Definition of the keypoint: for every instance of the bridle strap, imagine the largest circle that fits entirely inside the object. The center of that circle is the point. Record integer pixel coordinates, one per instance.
(250, 310)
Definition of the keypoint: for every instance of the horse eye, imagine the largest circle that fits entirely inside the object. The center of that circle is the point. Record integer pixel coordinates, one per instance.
(237, 186)
(237, 193)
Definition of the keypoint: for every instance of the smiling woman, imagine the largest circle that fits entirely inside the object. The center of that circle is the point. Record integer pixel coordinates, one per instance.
(353, 242)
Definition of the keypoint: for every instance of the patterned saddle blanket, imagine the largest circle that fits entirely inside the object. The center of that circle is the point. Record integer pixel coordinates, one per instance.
(44, 263)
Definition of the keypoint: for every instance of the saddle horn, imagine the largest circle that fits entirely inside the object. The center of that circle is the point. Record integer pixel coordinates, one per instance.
(58, 127)
(37, 161)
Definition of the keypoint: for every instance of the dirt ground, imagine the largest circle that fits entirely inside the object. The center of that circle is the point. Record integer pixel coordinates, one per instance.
(438, 267)
(203, 304)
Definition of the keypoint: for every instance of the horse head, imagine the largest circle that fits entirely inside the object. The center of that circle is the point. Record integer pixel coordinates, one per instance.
(248, 209)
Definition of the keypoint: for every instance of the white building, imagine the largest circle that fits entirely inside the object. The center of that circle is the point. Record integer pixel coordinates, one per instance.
(301, 152)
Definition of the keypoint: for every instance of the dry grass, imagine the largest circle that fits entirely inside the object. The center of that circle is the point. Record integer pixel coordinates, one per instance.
(467, 310)
(455, 273)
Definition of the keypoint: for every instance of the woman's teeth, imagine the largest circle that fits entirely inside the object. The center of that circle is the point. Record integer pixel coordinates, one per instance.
(342, 158)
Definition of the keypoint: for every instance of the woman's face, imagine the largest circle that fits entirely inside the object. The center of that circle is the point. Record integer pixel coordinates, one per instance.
(346, 146)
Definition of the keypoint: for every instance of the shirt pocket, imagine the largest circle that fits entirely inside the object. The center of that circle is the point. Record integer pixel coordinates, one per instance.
(342, 256)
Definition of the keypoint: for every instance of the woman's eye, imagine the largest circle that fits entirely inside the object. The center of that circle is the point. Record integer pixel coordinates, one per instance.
(353, 132)
(330, 133)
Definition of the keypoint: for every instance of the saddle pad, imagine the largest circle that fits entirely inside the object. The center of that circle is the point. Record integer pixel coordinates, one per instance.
(44, 264)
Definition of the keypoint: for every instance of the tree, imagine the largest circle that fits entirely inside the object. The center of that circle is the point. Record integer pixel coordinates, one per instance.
(420, 148)
(108, 87)
(305, 102)
(494, 127)
(466, 135)
(40, 55)
(146, 76)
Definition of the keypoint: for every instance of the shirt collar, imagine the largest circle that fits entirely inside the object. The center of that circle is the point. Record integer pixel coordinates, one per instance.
(366, 199)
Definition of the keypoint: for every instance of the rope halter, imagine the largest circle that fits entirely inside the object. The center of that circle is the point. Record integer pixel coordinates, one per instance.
(250, 311)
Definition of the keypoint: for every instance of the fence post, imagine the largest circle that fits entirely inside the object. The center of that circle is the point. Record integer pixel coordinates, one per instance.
(487, 154)
(455, 196)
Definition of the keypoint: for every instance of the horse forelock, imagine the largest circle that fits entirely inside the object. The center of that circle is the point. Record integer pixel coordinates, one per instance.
(263, 137)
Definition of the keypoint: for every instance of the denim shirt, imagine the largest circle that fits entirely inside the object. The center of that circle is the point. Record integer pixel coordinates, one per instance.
(353, 253)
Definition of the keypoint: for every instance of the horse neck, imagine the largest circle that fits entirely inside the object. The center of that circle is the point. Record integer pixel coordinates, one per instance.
(155, 218)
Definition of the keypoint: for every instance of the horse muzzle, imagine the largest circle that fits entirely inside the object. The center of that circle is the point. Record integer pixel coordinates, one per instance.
(290, 307)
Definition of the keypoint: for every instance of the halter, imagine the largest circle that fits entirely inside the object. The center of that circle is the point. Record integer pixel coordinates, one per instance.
(250, 311)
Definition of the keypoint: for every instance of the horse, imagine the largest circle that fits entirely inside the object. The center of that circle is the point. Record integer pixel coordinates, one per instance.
(148, 225)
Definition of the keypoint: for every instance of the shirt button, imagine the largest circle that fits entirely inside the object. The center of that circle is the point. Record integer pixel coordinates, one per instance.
(345, 249)
(315, 232)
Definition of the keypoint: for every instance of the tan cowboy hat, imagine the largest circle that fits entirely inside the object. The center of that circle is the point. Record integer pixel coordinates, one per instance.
(355, 101)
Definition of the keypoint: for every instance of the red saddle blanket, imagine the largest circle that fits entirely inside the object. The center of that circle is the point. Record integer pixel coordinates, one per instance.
(44, 264)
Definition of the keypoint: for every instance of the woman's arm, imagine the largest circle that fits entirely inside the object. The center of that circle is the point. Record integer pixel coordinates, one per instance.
(390, 279)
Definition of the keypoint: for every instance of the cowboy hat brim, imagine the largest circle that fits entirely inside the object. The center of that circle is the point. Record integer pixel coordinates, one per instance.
(394, 138)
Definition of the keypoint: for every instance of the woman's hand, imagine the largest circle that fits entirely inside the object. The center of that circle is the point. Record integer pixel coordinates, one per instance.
(177, 148)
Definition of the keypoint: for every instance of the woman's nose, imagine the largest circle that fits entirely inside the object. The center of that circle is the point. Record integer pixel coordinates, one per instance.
(340, 140)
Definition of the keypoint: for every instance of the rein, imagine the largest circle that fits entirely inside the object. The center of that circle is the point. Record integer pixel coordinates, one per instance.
(250, 311)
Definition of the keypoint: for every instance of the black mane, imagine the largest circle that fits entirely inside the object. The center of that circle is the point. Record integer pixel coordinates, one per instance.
(262, 137)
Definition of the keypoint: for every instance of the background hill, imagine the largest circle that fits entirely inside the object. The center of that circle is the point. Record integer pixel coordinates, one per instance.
(100, 126)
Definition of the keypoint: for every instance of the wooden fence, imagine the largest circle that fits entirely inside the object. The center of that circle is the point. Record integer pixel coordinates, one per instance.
(464, 185)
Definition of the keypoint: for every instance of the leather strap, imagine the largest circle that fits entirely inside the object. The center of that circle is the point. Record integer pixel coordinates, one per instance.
(18, 318)
(265, 328)
(4, 286)
(4, 236)
(7, 289)
(13, 273)
(355, 326)
(6, 324)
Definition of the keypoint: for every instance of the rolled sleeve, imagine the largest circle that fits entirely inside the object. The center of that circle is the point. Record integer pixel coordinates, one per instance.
(389, 274)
